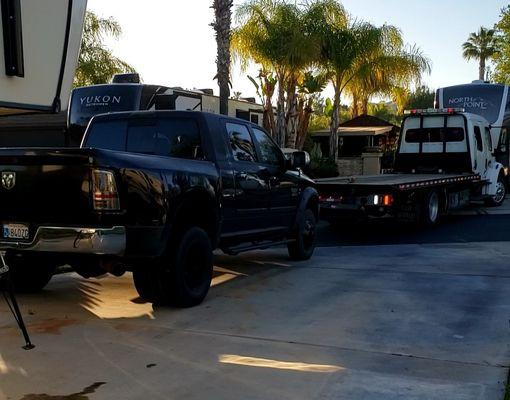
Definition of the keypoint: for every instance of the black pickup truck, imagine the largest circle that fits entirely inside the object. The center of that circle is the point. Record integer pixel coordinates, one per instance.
(153, 193)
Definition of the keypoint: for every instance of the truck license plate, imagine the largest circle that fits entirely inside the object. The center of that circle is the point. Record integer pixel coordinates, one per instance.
(15, 231)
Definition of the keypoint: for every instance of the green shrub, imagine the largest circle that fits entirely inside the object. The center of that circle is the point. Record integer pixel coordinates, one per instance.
(323, 168)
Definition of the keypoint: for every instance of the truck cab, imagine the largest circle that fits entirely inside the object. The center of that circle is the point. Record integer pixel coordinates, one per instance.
(450, 141)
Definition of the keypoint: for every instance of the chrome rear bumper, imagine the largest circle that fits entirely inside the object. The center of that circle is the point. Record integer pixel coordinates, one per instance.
(99, 241)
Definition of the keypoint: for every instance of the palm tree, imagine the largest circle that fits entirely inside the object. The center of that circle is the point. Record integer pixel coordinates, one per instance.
(309, 87)
(96, 63)
(221, 25)
(480, 46)
(346, 54)
(391, 69)
(271, 34)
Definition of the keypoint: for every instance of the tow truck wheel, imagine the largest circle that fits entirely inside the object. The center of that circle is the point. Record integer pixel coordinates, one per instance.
(183, 276)
(29, 274)
(430, 209)
(303, 245)
(498, 199)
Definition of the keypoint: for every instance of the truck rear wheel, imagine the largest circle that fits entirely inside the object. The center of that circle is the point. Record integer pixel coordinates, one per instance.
(303, 245)
(183, 276)
(430, 209)
(29, 274)
(499, 197)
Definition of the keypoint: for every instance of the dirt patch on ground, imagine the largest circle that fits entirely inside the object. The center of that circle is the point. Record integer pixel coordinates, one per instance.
(50, 326)
(83, 395)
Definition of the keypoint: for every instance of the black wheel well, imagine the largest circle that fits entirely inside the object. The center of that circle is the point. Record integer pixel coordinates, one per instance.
(197, 209)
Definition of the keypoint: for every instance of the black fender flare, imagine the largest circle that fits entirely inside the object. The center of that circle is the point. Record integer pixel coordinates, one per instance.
(309, 199)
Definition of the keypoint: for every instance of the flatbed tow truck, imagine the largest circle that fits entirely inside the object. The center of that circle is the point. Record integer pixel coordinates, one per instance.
(444, 160)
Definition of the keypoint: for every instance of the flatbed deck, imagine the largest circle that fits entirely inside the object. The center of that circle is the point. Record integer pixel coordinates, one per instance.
(397, 181)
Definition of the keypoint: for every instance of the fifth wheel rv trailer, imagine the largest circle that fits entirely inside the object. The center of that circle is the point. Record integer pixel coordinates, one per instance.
(126, 93)
(39, 47)
(488, 100)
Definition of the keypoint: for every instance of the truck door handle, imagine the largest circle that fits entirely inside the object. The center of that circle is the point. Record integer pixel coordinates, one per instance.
(242, 176)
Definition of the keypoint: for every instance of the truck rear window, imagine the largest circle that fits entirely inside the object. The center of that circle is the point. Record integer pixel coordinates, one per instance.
(171, 137)
(434, 135)
(109, 135)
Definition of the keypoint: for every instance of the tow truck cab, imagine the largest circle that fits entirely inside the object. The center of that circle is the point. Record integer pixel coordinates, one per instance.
(448, 141)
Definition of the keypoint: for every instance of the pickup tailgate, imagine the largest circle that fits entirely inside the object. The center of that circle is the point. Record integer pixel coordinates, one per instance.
(45, 186)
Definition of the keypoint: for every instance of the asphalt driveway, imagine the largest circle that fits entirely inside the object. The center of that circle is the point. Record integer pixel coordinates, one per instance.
(362, 322)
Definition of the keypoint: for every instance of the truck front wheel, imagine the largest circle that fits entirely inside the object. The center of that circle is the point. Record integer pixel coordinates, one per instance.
(183, 276)
(303, 244)
(29, 274)
(499, 197)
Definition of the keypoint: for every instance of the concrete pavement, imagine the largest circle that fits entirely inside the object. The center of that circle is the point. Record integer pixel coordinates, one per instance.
(365, 322)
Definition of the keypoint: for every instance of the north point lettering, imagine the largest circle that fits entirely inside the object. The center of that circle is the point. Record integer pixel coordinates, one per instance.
(468, 102)
(94, 101)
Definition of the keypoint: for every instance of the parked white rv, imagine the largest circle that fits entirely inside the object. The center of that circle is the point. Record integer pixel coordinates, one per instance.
(39, 46)
(488, 100)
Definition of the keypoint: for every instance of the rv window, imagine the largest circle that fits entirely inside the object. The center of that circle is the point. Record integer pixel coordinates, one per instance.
(109, 135)
(434, 135)
(478, 138)
(241, 143)
(268, 150)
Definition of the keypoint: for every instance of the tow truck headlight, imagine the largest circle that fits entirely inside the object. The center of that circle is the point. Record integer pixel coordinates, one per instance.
(105, 196)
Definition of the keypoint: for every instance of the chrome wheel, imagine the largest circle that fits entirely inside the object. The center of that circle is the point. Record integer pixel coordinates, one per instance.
(433, 207)
(500, 195)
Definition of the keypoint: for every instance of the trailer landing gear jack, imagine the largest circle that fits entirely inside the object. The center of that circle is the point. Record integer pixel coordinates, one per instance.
(10, 298)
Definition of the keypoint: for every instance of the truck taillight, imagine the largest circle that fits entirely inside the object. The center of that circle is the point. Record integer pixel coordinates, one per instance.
(381, 200)
(105, 196)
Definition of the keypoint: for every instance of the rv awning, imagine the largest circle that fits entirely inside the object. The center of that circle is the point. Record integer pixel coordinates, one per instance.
(356, 131)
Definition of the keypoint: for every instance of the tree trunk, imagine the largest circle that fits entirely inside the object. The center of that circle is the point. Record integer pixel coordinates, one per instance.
(364, 106)
(305, 113)
(280, 113)
(291, 117)
(221, 25)
(481, 71)
(335, 122)
(355, 106)
(268, 88)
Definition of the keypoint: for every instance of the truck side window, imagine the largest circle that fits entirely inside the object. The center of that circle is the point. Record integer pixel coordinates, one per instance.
(109, 135)
(241, 142)
(478, 138)
(178, 137)
(502, 147)
(488, 137)
(269, 151)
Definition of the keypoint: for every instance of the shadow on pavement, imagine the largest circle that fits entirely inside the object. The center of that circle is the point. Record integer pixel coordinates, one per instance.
(452, 229)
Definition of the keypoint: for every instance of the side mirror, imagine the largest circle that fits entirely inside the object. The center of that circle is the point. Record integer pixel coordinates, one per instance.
(299, 160)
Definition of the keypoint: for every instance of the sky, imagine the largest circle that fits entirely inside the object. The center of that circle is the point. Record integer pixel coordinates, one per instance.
(170, 42)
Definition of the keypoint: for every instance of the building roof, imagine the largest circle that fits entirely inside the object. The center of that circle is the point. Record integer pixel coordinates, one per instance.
(367, 120)
(357, 131)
